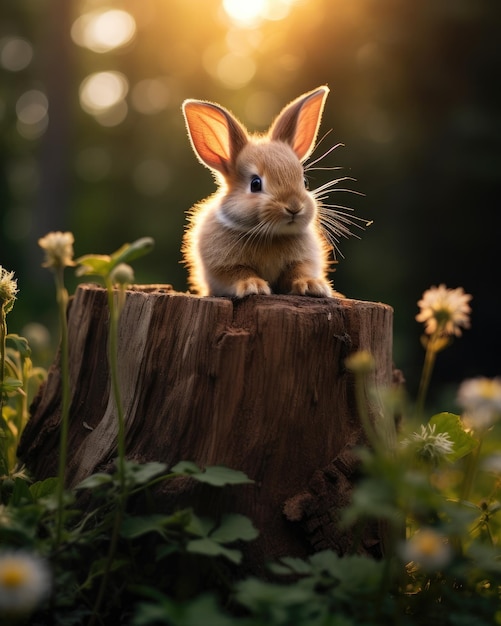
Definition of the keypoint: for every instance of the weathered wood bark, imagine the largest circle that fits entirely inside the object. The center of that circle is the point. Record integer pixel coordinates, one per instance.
(257, 384)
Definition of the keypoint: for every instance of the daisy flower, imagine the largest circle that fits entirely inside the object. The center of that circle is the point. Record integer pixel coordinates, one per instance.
(445, 311)
(481, 400)
(58, 248)
(24, 582)
(427, 548)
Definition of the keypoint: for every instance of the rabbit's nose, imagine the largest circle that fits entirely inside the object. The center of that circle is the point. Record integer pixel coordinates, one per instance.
(293, 208)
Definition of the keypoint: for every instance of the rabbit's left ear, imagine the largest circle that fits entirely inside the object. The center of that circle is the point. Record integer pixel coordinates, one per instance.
(298, 123)
(216, 136)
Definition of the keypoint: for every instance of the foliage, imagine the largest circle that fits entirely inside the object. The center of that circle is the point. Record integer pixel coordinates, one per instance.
(114, 557)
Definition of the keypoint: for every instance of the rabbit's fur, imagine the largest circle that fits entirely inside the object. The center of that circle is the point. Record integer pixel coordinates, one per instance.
(260, 232)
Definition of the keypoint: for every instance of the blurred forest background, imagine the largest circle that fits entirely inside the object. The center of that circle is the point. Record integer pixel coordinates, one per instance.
(92, 139)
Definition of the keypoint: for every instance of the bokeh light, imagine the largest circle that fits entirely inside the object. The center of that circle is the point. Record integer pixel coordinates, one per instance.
(150, 96)
(16, 53)
(102, 31)
(32, 109)
(102, 95)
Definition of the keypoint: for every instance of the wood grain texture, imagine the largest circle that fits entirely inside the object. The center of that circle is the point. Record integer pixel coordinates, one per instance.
(257, 384)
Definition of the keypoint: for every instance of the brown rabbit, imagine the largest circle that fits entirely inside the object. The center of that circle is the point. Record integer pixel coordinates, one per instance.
(260, 232)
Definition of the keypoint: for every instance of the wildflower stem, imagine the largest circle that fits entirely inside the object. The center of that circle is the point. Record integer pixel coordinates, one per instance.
(109, 559)
(361, 401)
(471, 471)
(62, 302)
(3, 335)
(429, 363)
(115, 310)
(4, 450)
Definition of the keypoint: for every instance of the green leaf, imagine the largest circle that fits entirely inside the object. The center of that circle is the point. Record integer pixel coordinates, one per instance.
(201, 610)
(218, 476)
(94, 265)
(272, 599)
(20, 344)
(186, 468)
(291, 565)
(207, 547)
(451, 425)
(142, 473)
(131, 251)
(234, 527)
(21, 493)
(136, 526)
(10, 384)
(200, 526)
(103, 264)
(95, 480)
(215, 475)
(44, 488)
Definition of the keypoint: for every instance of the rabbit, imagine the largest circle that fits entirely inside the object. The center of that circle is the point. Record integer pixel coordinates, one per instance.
(260, 233)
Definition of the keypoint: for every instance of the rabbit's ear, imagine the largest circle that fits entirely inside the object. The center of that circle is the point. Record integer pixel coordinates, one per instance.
(298, 122)
(216, 136)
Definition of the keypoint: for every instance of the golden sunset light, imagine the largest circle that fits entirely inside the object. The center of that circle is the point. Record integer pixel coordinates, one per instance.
(246, 13)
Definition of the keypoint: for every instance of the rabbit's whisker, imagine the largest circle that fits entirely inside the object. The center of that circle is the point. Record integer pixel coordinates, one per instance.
(337, 223)
(325, 154)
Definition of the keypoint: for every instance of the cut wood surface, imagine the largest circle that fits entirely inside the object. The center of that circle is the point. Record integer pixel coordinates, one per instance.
(257, 385)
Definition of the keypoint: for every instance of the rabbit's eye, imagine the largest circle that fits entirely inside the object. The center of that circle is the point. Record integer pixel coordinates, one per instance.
(306, 183)
(255, 184)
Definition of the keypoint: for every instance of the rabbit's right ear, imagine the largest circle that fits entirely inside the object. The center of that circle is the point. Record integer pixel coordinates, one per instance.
(298, 122)
(216, 136)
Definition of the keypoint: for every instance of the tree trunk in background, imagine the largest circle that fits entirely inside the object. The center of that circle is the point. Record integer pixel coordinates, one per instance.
(51, 210)
(257, 385)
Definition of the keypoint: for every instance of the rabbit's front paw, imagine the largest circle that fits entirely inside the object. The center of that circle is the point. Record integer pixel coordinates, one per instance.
(316, 287)
(251, 286)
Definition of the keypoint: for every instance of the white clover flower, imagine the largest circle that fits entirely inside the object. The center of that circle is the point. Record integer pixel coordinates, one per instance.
(24, 582)
(427, 548)
(430, 445)
(481, 400)
(444, 310)
(58, 248)
(8, 290)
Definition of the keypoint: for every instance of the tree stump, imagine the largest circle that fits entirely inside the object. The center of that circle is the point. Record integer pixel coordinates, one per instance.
(257, 384)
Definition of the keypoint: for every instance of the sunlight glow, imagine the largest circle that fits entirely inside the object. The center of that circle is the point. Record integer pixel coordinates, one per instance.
(248, 13)
(102, 31)
(244, 11)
